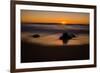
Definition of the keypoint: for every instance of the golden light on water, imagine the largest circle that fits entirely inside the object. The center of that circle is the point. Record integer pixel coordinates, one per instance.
(52, 39)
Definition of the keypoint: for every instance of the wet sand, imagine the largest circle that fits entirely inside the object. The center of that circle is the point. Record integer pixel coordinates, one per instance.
(48, 39)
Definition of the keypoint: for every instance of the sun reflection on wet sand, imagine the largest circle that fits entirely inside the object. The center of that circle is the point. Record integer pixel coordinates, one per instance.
(53, 39)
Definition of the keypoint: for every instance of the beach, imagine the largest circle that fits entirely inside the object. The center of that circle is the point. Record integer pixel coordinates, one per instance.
(48, 46)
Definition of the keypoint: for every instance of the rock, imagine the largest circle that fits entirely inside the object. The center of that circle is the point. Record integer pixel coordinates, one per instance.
(36, 35)
(65, 37)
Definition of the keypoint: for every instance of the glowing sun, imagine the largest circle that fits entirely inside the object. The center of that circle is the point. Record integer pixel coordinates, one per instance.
(63, 22)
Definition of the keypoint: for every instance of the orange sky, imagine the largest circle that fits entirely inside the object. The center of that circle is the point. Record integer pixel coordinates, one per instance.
(31, 16)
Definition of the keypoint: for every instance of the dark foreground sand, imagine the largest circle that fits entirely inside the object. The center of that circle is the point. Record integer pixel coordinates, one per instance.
(31, 52)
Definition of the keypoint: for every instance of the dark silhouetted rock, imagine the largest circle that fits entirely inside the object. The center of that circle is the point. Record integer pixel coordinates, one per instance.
(72, 35)
(36, 35)
(65, 37)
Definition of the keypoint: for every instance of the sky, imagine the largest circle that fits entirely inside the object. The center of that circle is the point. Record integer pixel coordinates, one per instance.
(33, 16)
